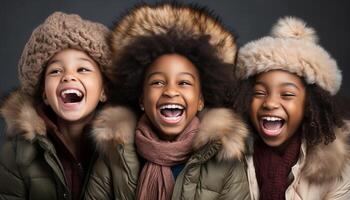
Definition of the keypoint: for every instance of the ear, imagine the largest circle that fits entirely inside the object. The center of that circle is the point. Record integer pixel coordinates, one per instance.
(43, 96)
(200, 103)
(103, 96)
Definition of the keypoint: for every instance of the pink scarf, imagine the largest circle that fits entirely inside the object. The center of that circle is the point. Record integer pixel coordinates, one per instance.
(156, 180)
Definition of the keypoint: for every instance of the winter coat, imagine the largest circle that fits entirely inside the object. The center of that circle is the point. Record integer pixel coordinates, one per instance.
(214, 171)
(322, 172)
(29, 165)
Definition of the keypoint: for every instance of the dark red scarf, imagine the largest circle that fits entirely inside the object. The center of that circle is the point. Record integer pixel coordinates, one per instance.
(273, 167)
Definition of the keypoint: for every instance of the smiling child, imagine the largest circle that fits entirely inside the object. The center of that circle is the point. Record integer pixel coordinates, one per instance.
(301, 150)
(172, 61)
(47, 153)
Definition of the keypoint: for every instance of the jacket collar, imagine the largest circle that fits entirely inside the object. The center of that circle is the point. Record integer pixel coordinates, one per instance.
(324, 163)
(116, 125)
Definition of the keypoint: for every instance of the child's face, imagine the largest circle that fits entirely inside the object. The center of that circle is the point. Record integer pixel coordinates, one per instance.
(73, 85)
(277, 108)
(171, 94)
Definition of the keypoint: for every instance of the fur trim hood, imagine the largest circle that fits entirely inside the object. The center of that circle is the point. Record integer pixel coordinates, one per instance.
(185, 21)
(293, 47)
(116, 126)
(324, 163)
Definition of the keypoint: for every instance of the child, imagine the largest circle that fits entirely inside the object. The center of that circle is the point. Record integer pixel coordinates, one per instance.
(170, 61)
(302, 146)
(47, 152)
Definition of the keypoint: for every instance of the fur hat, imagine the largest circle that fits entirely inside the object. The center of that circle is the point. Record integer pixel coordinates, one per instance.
(58, 32)
(293, 47)
(172, 20)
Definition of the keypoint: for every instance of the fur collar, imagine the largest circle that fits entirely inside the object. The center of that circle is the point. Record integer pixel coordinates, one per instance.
(21, 117)
(116, 126)
(324, 163)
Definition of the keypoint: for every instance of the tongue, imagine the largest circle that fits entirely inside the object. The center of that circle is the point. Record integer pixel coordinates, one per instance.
(171, 112)
(272, 125)
(71, 98)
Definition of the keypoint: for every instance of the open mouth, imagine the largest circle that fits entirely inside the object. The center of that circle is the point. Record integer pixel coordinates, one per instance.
(272, 125)
(172, 112)
(71, 96)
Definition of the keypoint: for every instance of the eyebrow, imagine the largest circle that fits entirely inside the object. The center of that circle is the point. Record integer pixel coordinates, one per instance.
(181, 73)
(282, 84)
(80, 58)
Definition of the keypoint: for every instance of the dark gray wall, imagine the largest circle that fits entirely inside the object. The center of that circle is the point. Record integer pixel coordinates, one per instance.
(250, 19)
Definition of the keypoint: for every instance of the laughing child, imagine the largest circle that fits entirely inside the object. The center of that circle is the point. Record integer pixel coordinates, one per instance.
(170, 62)
(301, 150)
(47, 151)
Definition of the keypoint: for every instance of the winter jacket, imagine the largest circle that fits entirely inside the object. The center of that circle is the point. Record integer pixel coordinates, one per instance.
(214, 171)
(322, 172)
(29, 165)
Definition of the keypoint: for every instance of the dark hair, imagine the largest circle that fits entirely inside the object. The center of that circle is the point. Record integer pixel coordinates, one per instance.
(216, 77)
(322, 114)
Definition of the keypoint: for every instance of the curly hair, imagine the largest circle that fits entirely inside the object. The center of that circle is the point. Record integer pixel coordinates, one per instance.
(216, 77)
(322, 113)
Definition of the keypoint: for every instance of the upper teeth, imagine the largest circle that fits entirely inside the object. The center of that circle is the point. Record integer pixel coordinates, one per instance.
(272, 118)
(70, 91)
(171, 106)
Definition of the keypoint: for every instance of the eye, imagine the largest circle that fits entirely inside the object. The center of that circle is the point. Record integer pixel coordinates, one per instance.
(54, 71)
(157, 83)
(287, 95)
(185, 82)
(83, 69)
(259, 93)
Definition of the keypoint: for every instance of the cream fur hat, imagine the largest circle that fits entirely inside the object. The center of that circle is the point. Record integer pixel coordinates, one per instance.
(293, 47)
(58, 32)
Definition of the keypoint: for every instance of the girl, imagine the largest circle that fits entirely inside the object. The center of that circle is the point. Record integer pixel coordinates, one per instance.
(301, 150)
(47, 153)
(170, 61)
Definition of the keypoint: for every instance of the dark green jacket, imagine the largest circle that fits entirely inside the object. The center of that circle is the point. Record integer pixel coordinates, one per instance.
(29, 166)
(214, 171)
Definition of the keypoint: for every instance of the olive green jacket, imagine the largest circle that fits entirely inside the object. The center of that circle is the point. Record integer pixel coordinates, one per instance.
(29, 166)
(214, 171)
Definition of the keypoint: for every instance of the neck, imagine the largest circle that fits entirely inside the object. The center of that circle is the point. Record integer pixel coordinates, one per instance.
(73, 134)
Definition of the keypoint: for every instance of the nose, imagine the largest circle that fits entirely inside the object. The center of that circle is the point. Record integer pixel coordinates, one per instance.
(170, 91)
(271, 103)
(68, 78)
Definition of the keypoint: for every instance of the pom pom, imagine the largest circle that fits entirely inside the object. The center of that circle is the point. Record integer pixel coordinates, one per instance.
(292, 27)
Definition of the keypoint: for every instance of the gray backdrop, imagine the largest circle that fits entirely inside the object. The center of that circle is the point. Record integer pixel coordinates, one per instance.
(250, 19)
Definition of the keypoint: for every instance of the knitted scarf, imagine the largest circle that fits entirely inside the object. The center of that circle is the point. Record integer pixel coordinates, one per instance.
(156, 180)
(272, 168)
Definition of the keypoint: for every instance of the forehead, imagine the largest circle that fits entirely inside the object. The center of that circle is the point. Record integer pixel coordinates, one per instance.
(172, 65)
(279, 78)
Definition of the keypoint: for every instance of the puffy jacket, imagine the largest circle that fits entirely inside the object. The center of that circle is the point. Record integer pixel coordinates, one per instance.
(214, 171)
(29, 166)
(322, 172)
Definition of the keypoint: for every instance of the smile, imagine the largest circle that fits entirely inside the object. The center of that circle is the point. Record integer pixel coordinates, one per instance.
(171, 113)
(71, 96)
(272, 125)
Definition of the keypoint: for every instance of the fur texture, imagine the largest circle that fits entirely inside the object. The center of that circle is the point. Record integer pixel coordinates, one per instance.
(326, 162)
(292, 47)
(189, 21)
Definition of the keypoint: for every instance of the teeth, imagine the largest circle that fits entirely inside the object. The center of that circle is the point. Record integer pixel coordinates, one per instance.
(272, 118)
(70, 91)
(172, 106)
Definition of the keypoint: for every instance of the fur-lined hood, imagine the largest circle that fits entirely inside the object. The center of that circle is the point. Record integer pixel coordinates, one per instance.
(116, 126)
(185, 20)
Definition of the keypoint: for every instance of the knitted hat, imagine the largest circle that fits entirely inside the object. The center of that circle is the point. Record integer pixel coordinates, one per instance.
(293, 47)
(58, 32)
(183, 21)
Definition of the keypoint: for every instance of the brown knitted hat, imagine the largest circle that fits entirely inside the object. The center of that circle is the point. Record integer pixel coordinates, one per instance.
(58, 32)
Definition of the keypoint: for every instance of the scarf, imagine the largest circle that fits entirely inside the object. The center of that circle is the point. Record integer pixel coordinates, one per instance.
(273, 168)
(156, 179)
